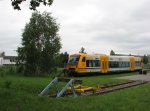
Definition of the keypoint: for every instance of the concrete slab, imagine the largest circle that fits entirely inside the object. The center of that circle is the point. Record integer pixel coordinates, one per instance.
(137, 77)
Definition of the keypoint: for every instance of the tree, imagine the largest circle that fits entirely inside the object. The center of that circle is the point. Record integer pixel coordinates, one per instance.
(62, 59)
(82, 50)
(65, 57)
(112, 52)
(145, 59)
(2, 54)
(40, 44)
(33, 3)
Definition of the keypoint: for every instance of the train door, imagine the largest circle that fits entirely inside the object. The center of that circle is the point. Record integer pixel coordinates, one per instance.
(132, 63)
(104, 63)
(82, 63)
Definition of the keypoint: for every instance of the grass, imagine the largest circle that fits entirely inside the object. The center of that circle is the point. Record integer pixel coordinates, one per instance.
(18, 93)
(103, 79)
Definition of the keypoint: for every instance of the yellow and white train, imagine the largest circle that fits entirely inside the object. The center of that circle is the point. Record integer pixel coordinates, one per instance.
(100, 63)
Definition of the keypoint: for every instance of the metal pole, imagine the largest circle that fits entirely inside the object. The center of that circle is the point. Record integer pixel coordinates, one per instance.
(48, 86)
(65, 88)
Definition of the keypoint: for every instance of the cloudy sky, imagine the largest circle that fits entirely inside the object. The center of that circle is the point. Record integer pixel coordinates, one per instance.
(96, 25)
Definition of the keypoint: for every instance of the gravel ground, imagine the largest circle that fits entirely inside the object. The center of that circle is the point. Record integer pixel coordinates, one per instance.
(141, 77)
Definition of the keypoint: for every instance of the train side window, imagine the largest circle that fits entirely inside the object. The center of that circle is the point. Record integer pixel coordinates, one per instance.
(93, 63)
(116, 64)
(87, 63)
(126, 64)
(113, 64)
(123, 64)
(110, 64)
(90, 63)
(83, 59)
(137, 63)
(97, 63)
(120, 64)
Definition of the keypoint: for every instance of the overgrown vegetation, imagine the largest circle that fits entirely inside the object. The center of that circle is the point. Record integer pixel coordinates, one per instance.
(7, 70)
(13, 70)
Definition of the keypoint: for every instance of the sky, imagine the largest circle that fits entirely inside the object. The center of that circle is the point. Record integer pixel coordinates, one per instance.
(97, 25)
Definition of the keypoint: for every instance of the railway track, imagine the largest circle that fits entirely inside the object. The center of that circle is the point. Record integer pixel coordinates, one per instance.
(112, 88)
(105, 89)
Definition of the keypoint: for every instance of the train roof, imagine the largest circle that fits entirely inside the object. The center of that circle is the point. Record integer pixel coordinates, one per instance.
(86, 54)
(115, 56)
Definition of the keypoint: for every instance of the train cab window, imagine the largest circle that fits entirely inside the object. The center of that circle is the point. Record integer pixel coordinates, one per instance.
(73, 59)
(83, 59)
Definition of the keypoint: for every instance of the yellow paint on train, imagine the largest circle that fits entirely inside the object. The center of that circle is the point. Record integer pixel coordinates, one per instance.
(132, 63)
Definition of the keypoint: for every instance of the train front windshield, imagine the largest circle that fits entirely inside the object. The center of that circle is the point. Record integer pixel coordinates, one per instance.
(73, 59)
